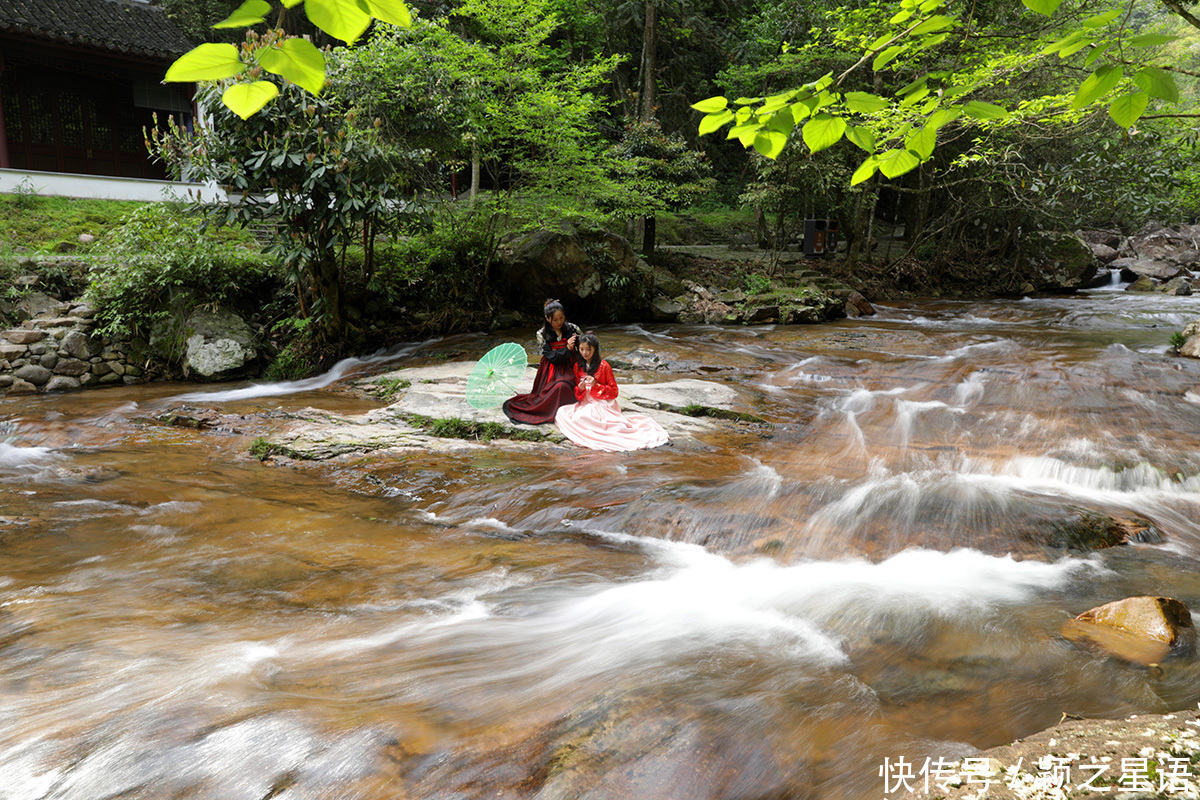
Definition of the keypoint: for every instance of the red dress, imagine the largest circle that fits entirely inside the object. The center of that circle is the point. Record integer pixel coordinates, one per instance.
(553, 386)
(596, 421)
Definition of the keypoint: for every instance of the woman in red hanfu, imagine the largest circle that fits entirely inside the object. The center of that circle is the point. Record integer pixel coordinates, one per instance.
(554, 384)
(596, 421)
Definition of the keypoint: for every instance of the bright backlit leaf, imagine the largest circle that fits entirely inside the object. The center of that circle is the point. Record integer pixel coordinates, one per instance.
(864, 103)
(1151, 39)
(823, 131)
(933, 25)
(713, 122)
(770, 143)
(887, 57)
(1098, 84)
(978, 109)
(208, 62)
(299, 61)
(712, 105)
(341, 19)
(894, 163)
(1127, 109)
(1046, 7)
(1100, 20)
(922, 142)
(865, 171)
(247, 99)
(861, 137)
(392, 11)
(247, 14)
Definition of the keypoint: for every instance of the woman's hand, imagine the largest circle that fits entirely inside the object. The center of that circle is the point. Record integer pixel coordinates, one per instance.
(588, 382)
(571, 342)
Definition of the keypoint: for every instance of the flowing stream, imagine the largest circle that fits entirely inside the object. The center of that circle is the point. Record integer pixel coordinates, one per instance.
(771, 615)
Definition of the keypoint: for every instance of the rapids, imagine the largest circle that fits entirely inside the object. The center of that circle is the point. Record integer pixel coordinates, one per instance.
(771, 616)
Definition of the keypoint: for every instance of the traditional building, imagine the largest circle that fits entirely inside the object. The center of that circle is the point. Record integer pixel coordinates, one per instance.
(81, 79)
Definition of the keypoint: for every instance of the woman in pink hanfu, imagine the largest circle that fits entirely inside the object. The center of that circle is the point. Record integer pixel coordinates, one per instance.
(595, 420)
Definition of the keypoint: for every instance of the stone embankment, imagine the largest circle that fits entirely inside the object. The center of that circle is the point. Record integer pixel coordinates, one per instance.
(52, 348)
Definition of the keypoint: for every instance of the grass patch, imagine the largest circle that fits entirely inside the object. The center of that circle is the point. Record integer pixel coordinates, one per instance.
(47, 223)
(262, 449)
(696, 410)
(455, 428)
(387, 389)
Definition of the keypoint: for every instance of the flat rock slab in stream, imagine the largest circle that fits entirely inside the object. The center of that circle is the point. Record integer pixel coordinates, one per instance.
(423, 394)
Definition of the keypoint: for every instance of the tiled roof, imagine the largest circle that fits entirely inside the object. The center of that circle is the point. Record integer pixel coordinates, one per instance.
(123, 26)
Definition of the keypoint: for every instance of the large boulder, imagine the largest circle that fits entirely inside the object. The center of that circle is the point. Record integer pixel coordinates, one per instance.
(1056, 262)
(1142, 630)
(594, 273)
(219, 345)
(1134, 268)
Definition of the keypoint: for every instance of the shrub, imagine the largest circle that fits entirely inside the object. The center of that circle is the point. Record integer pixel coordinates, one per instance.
(158, 254)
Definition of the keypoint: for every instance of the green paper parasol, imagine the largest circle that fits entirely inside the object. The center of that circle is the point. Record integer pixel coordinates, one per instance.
(497, 376)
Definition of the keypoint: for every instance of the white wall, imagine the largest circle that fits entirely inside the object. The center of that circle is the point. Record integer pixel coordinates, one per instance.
(65, 184)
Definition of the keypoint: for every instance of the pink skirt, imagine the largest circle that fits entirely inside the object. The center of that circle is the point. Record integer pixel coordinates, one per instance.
(600, 425)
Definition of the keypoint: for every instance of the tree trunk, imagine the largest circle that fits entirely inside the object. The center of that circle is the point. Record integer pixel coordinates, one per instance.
(475, 166)
(649, 68)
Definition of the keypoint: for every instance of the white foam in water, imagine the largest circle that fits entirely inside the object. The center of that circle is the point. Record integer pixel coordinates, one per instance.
(970, 389)
(489, 522)
(1050, 475)
(340, 370)
(13, 457)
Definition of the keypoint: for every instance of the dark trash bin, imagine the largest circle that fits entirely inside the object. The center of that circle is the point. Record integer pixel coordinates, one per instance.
(814, 237)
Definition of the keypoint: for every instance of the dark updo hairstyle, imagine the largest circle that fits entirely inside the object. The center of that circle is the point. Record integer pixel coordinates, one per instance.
(548, 309)
(594, 364)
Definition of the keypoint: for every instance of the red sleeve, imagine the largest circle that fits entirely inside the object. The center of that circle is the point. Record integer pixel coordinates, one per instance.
(605, 387)
(580, 392)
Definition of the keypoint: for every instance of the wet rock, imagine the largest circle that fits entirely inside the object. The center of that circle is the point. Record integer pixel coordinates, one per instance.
(63, 383)
(11, 352)
(1104, 254)
(1084, 529)
(1055, 262)
(72, 367)
(49, 360)
(1142, 284)
(34, 374)
(220, 346)
(22, 387)
(1110, 239)
(36, 304)
(1180, 287)
(664, 309)
(78, 345)
(761, 314)
(641, 359)
(98, 474)
(857, 306)
(1134, 268)
(1142, 630)
(24, 336)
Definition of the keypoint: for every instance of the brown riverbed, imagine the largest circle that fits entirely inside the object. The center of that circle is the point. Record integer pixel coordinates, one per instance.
(769, 614)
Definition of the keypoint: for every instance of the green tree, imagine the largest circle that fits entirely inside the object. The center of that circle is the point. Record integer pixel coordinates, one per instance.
(305, 163)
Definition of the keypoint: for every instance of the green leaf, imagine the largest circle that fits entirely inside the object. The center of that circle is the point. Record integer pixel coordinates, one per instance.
(741, 101)
(978, 109)
(781, 121)
(745, 134)
(1046, 7)
(712, 105)
(864, 103)
(770, 143)
(208, 62)
(930, 5)
(394, 12)
(861, 137)
(902, 16)
(1098, 84)
(823, 131)
(1151, 39)
(341, 19)
(247, 14)
(951, 92)
(291, 3)
(943, 116)
(865, 171)
(894, 163)
(715, 121)
(1127, 109)
(887, 57)
(922, 142)
(1071, 38)
(1096, 53)
(1071, 50)
(919, 83)
(1157, 83)
(880, 42)
(933, 25)
(932, 41)
(1100, 20)
(299, 61)
(247, 99)
(803, 109)
(915, 97)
